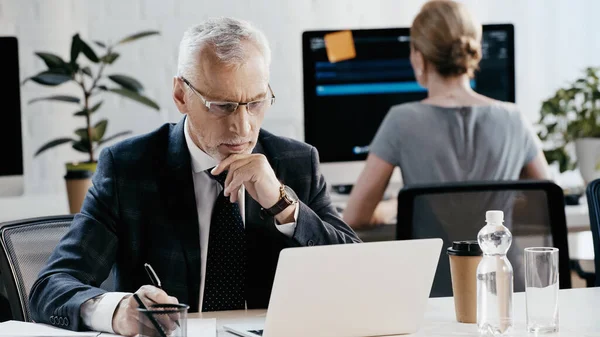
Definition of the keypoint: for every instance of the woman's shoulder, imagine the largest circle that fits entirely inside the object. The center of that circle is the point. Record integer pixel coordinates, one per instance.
(408, 110)
(507, 110)
(508, 107)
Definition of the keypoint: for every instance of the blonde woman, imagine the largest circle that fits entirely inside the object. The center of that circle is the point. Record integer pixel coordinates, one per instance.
(455, 134)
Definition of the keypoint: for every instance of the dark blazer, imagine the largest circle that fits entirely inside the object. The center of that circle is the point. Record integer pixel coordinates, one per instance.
(142, 209)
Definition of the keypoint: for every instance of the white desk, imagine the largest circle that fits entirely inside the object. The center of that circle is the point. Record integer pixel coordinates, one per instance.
(578, 316)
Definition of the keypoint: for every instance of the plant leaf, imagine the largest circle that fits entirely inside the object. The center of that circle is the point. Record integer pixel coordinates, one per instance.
(52, 61)
(99, 130)
(75, 48)
(52, 144)
(82, 133)
(127, 82)
(116, 135)
(50, 78)
(135, 96)
(61, 98)
(87, 71)
(92, 110)
(82, 146)
(88, 52)
(137, 36)
(100, 44)
(109, 58)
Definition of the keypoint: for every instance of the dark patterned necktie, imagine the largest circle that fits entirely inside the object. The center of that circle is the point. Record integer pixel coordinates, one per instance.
(226, 258)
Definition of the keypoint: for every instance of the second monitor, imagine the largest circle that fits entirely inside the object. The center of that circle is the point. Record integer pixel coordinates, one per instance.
(345, 102)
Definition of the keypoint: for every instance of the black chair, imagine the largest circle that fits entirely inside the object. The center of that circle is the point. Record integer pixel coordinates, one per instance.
(25, 247)
(533, 211)
(593, 199)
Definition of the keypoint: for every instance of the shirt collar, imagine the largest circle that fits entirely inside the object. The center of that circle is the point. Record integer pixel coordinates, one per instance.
(200, 160)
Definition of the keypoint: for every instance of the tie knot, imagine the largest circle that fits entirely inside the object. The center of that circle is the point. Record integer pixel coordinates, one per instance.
(220, 178)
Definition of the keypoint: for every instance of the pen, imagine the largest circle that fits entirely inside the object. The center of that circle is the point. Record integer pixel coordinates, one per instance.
(152, 275)
(155, 280)
(154, 322)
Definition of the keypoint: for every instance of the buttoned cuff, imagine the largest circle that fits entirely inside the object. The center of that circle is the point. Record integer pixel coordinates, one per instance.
(97, 313)
(288, 229)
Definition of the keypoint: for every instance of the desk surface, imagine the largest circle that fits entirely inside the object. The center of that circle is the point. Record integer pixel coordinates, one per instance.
(577, 315)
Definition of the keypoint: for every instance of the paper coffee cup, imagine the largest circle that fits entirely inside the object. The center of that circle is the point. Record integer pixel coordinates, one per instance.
(464, 260)
(78, 183)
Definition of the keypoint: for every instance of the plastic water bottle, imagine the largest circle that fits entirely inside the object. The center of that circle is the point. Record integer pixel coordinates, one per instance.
(494, 277)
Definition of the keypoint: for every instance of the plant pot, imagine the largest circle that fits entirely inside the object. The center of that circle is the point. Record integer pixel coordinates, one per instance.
(78, 180)
(587, 151)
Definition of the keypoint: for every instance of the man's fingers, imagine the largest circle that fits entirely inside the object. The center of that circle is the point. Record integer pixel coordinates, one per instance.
(153, 295)
(224, 165)
(234, 186)
(147, 328)
(234, 195)
(234, 167)
(164, 321)
(156, 295)
(143, 319)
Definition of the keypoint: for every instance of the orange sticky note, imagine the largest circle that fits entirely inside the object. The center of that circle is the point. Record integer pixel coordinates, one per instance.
(340, 46)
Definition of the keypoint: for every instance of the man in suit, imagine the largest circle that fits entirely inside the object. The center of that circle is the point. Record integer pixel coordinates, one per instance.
(208, 202)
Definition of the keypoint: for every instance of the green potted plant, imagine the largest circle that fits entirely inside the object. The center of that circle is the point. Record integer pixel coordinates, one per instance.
(572, 116)
(93, 81)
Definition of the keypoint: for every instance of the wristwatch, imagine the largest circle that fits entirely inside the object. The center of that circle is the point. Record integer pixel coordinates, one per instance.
(287, 197)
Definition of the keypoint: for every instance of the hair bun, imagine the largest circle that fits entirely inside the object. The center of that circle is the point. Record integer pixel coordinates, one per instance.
(465, 55)
(468, 46)
(448, 37)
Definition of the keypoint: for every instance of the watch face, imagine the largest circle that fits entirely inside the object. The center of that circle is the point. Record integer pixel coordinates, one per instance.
(290, 194)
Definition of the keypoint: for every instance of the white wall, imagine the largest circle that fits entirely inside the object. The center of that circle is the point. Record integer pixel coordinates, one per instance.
(555, 39)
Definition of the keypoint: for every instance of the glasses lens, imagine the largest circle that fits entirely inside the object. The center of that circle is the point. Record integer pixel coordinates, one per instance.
(258, 107)
(222, 108)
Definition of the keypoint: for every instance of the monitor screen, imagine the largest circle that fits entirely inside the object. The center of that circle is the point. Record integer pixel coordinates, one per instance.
(345, 102)
(10, 127)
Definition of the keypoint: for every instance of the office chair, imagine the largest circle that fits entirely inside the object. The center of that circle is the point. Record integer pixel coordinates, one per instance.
(533, 212)
(593, 200)
(25, 247)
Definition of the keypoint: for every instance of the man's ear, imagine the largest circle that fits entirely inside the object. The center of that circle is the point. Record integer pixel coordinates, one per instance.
(179, 96)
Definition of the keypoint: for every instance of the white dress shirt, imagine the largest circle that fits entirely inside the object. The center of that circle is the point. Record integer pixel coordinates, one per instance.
(97, 314)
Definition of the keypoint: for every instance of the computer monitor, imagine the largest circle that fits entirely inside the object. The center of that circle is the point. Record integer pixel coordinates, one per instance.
(345, 102)
(11, 162)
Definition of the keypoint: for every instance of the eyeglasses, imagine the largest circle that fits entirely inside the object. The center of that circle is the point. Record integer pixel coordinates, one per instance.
(227, 108)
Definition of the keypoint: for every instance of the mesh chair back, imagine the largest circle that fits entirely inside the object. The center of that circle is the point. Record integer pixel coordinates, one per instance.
(25, 248)
(593, 199)
(533, 212)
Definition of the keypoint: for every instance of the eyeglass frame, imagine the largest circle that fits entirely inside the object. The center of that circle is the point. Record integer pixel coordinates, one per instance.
(208, 103)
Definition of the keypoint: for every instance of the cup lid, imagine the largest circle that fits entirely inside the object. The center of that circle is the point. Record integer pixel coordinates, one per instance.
(79, 174)
(465, 248)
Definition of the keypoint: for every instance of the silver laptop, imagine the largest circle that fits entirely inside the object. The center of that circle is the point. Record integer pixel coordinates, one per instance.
(366, 289)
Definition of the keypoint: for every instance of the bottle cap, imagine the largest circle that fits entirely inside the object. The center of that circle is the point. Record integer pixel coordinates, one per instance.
(494, 216)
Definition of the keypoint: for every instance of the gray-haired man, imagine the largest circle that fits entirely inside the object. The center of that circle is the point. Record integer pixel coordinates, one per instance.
(208, 202)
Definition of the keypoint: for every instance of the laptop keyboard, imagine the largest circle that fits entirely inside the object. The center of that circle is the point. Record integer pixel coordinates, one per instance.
(257, 332)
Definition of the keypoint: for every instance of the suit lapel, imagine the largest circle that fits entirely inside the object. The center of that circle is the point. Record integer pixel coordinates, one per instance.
(179, 184)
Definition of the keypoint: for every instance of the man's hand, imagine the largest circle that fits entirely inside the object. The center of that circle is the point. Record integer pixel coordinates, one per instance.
(254, 172)
(126, 319)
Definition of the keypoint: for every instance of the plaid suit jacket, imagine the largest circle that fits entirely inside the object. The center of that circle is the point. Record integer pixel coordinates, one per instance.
(142, 209)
